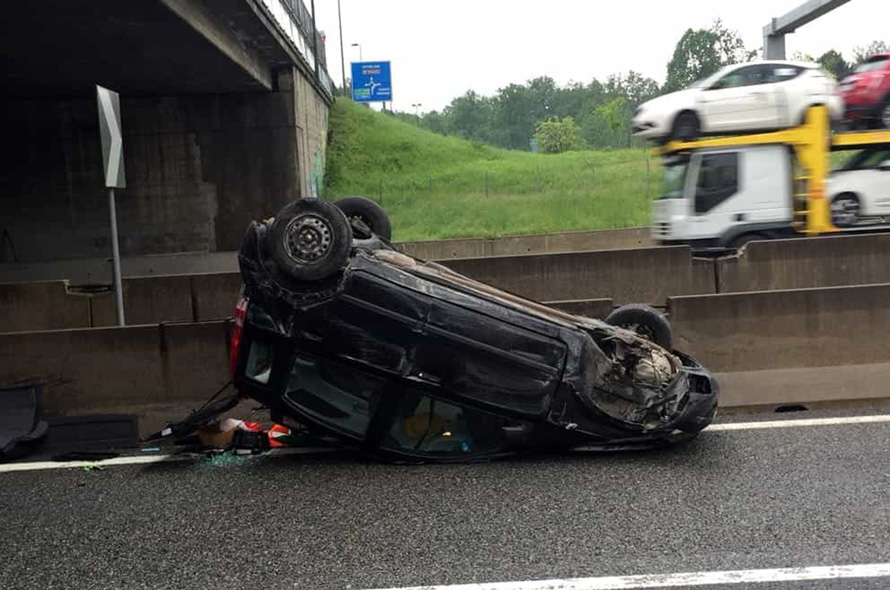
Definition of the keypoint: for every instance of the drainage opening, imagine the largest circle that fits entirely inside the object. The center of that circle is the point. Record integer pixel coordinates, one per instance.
(791, 408)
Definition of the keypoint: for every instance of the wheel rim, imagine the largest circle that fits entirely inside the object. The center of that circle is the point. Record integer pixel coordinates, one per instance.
(308, 238)
(844, 211)
(885, 116)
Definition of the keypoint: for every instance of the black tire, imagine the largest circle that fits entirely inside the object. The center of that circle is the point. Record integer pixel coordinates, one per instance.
(884, 114)
(646, 321)
(369, 213)
(687, 127)
(310, 240)
(845, 210)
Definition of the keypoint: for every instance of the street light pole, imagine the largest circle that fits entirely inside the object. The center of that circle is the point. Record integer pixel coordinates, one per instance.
(342, 58)
(416, 107)
(359, 45)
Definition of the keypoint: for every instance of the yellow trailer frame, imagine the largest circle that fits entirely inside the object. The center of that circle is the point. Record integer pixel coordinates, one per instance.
(812, 143)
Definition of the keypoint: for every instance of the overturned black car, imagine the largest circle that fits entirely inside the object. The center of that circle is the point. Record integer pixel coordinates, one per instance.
(408, 360)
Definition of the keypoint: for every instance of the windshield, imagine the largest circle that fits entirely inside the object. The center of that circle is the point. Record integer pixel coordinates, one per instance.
(674, 179)
(874, 63)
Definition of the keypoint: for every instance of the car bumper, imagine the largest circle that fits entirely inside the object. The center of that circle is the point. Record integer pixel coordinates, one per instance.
(862, 111)
(648, 127)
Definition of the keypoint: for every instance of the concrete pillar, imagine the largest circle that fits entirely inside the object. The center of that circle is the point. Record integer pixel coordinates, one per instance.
(199, 168)
(773, 46)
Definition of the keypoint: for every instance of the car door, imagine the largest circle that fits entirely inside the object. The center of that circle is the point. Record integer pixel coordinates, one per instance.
(768, 95)
(867, 177)
(735, 102)
(714, 180)
(874, 184)
(791, 93)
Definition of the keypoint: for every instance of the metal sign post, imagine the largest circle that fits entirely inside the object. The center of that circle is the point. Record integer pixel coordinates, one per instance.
(113, 160)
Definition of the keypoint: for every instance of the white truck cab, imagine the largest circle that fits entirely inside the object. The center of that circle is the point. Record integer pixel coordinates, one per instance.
(723, 197)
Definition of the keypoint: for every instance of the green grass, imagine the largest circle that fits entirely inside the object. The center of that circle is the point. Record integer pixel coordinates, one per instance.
(436, 187)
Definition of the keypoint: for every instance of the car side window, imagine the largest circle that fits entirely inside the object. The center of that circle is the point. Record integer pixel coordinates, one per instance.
(781, 73)
(425, 426)
(738, 78)
(718, 179)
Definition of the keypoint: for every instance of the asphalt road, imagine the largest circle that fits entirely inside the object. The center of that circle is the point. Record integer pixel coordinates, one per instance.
(730, 500)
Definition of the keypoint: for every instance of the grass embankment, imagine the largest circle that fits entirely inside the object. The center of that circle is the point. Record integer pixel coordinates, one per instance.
(436, 187)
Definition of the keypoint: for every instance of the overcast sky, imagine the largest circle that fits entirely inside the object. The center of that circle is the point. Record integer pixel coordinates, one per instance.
(439, 49)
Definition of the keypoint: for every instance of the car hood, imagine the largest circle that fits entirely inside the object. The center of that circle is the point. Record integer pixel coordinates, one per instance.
(673, 102)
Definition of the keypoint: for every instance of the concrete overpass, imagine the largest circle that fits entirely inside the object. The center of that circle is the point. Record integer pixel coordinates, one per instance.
(774, 32)
(224, 107)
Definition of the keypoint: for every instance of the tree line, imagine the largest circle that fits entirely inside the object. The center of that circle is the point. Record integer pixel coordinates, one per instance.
(540, 114)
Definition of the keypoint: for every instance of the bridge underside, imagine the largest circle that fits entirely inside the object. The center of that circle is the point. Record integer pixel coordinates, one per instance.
(223, 122)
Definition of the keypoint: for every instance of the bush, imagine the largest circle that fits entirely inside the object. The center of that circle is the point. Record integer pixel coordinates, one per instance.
(555, 136)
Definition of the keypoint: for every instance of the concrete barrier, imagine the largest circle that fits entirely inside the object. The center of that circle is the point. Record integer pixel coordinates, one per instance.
(792, 345)
(645, 275)
(43, 305)
(783, 329)
(592, 308)
(97, 271)
(214, 295)
(157, 372)
(577, 241)
(806, 263)
(773, 347)
(147, 300)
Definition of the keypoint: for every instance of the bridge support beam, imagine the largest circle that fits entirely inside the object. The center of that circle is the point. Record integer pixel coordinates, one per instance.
(774, 32)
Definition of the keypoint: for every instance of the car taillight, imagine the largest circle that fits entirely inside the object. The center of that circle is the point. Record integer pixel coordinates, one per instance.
(237, 332)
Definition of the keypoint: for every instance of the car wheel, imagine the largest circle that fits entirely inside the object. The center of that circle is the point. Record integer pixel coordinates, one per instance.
(845, 210)
(310, 239)
(646, 321)
(687, 127)
(885, 114)
(364, 214)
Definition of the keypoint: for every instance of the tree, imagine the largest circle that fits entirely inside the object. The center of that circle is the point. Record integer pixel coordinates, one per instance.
(701, 52)
(470, 116)
(555, 136)
(835, 64)
(860, 54)
(608, 126)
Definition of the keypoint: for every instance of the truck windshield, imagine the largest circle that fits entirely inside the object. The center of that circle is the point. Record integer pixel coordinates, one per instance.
(674, 179)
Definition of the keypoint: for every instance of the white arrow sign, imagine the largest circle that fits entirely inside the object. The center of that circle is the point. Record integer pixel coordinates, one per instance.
(112, 142)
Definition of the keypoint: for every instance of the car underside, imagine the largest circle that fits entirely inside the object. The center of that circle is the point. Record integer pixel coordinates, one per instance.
(407, 360)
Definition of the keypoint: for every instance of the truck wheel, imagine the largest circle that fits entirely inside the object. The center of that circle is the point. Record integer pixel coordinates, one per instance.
(845, 210)
(646, 321)
(310, 240)
(687, 127)
(369, 213)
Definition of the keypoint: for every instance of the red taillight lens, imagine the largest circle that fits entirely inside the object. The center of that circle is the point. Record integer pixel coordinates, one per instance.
(237, 332)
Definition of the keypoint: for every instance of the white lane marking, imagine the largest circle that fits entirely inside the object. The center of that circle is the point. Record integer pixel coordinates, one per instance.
(795, 574)
(794, 423)
(140, 460)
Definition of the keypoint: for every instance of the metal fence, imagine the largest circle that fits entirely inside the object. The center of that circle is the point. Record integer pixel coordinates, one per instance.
(295, 20)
